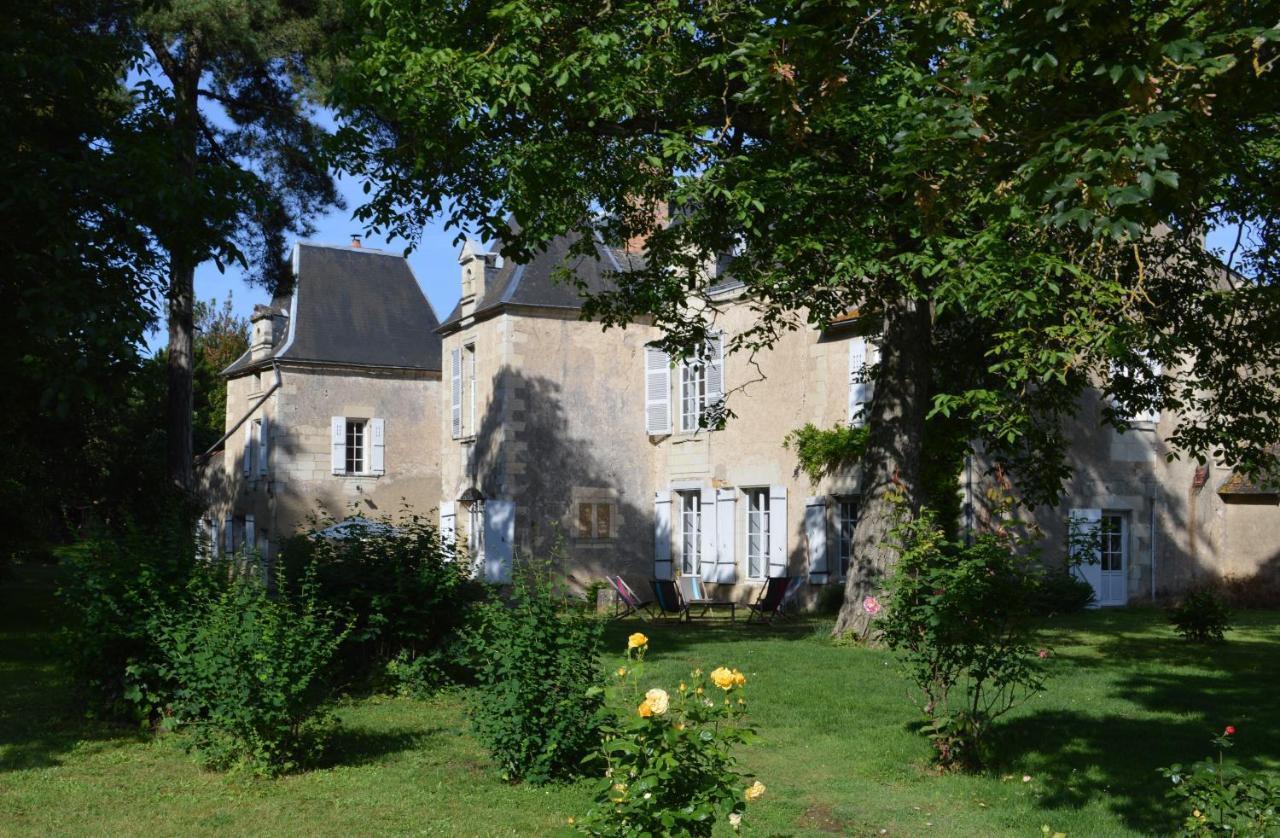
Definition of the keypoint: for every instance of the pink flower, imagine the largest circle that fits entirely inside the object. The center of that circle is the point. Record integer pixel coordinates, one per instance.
(1230, 730)
(871, 605)
(1043, 653)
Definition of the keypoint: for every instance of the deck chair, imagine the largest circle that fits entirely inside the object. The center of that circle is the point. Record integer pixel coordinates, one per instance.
(628, 602)
(769, 603)
(667, 597)
(695, 596)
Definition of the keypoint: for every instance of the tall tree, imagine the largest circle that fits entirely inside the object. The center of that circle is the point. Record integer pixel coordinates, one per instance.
(229, 81)
(976, 175)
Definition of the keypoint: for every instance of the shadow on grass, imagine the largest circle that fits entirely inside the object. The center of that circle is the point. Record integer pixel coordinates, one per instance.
(674, 638)
(352, 746)
(40, 720)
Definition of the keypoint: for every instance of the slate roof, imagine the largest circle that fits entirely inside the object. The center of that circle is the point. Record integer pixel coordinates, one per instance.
(538, 282)
(355, 307)
(1241, 485)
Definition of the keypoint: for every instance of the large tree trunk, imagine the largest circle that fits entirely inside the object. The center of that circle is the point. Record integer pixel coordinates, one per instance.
(180, 371)
(891, 463)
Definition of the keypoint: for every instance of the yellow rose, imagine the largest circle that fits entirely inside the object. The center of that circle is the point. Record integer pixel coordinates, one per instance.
(644, 709)
(722, 678)
(755, 791)
(683, 688)
(738, 678)
(622, 671)
(637, 640)
(658, 701)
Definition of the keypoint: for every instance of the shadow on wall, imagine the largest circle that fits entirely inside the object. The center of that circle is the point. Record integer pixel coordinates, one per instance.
(533, 448)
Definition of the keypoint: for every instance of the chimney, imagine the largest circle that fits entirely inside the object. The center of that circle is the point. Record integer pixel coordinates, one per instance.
(657, 210)
(264, 332)
(355, 240)
(478, 268)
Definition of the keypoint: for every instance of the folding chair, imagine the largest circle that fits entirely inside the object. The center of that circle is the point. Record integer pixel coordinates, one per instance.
(695, 596)
(767, 605)
(629, 602)
(667, 598)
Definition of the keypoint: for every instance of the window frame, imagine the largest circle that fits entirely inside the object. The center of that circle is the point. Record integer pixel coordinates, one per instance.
(692, 374)
(362, 461)
(691, 531)
(760, 514)
(844, 538)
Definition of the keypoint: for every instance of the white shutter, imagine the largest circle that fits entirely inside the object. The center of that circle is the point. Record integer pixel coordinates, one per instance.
(815, 530)
(338, 438)
(858, 395)
(715, 371)
(726, 523)
(499, 540)
(448, 526)
(264, 442)
(377, 447)
(657, 391)
(248, 534)
(777, 530)
(228, 536)
(662, 536)
(213, 537)
(1086, 560)
(248, 449)
(707, 517)
(455, 393)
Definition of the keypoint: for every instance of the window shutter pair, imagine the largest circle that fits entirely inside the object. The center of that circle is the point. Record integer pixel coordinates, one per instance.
(777, 531)
(375, 445)
(861, 358)
(455, 393)
(815, 530)
(499, 540)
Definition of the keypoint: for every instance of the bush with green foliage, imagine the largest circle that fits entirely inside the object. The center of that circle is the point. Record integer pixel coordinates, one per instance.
(669, 768)
(409, 601)
(252, 672)
(1201, 617)
(1220, 799)
(114, 587)
(1062, 592)
(960, 617)
(538, 706)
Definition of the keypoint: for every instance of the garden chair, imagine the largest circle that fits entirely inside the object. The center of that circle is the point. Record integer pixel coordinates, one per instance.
(769, 602)
(628, 602)
(667, 597)
(695, 596)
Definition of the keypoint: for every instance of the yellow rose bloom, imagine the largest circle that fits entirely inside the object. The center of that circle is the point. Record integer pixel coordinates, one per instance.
(755, 791)
(622, 671)
(738, 678)
(722, 678)
(658, 701)
(637, 640)
(644, 709)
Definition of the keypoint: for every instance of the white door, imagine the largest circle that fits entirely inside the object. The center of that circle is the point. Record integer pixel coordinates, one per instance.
(1115, 560)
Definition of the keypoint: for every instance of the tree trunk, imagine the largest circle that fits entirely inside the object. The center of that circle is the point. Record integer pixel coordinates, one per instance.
(891, 463)
(180, 371)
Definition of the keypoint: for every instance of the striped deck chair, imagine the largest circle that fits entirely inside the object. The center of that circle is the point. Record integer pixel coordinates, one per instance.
(667, 598)
(628, 602)
(767, 605)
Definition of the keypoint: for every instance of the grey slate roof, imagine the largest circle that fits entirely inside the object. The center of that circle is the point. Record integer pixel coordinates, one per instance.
(539, 283)
(356, 307)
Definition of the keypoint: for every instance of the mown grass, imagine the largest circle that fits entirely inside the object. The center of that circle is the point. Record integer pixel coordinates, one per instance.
(838, 749)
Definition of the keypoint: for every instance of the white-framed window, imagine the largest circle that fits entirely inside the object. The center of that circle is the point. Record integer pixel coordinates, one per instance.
(1112, 541)
(757, 508)
(690, 532)
(693, 395)
(846, 521)
(356, 443)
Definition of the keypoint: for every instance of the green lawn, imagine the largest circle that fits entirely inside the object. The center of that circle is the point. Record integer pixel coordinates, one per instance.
(837, 749)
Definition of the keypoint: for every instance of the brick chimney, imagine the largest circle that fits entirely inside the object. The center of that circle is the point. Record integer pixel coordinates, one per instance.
(658, 209)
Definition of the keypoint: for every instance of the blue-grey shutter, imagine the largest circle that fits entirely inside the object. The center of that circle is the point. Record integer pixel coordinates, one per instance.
(1085, 526)
(815, 530)
(499, 540)
(264, 441)
(858, 385)
(726, 527)
(448, 526)
(455, 393)
(777, 531)
(715, 372)
(709, 544)
(657, 391)
(338, 440)
(247, 456)
(662, 536)
(377, 447)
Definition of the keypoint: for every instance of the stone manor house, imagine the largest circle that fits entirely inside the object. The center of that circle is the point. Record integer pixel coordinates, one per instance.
(526, 429)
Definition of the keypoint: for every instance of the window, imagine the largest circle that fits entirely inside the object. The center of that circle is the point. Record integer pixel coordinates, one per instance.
(1112, 534)
(595, 521)
(693, 395)
(757, 532)
(355, 446)
(690, 533)
(847, 521)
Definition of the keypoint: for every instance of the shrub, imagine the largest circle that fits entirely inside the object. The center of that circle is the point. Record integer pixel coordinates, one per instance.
(669, 768)
(251, 674)
(537, 709)
(1201, 617)
(960, 618)
(1062, 592)
(1215, 798)
(406, 596)
(114, 587)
